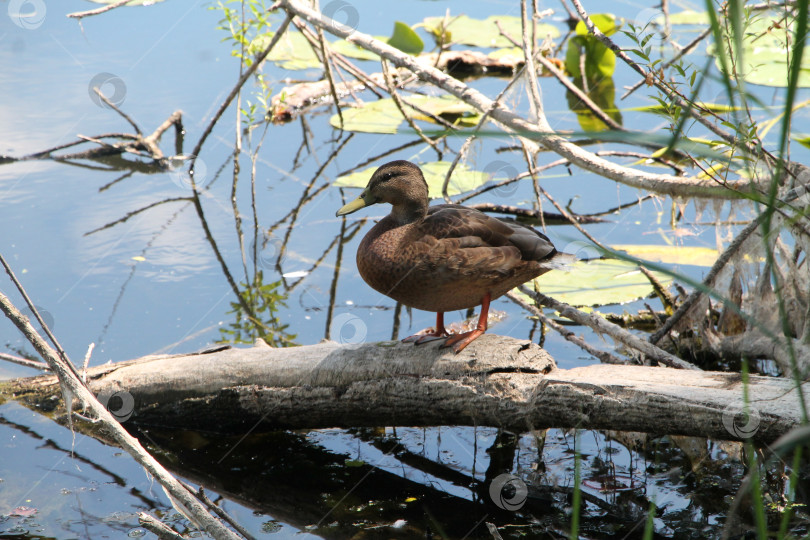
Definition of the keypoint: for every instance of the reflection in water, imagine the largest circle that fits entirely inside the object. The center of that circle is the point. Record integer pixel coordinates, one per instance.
(262, 320)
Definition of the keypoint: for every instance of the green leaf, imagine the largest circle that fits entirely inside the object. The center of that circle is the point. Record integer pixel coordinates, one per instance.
(462, 180)
(600, 61)
(351, 50)
(383, 116)
(291, 52)
(485, 32)
(686, 17)
(597, 283)
(767, 42)
(696, 256)
(605, 22)
(405, 39)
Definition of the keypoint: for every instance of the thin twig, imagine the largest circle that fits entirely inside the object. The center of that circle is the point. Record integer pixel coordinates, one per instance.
(72, 383)
(465, 147)
(37, 316)
(114, 107)
(708, 281)
(237, 87)
(24, 361)
(600, 325)
(604, 356)
(81, 14)
(392, 91)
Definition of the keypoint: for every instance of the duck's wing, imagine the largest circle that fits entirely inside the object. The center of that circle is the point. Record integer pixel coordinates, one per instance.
(476, 229)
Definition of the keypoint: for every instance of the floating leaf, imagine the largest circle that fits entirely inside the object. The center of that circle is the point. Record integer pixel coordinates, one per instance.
(485, 32)
(696, 256)
(605, 22)
(598, 282)
(351, 50)
(507, 52)
(291, 52)
(383, 116)
(767, 44)
(462, 180)
(405, 39)
(686, 17)
(600, 61)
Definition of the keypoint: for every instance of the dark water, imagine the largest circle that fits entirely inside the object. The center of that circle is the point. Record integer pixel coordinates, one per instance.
(153, 284)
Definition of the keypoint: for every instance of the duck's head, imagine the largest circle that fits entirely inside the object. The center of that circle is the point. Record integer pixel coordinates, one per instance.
(399, 183)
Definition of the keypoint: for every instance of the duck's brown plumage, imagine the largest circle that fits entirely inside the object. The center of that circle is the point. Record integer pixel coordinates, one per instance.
(445, 257)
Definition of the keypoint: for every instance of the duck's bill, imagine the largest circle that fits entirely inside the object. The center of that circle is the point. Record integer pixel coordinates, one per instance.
(354, 206)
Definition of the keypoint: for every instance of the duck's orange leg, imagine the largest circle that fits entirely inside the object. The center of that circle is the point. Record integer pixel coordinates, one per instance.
(429, 334)
(459, 341)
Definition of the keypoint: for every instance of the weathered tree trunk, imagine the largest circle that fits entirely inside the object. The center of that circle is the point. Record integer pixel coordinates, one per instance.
(496, 381)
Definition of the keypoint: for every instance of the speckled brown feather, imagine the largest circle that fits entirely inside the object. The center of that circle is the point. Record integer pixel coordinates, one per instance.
(445, 257)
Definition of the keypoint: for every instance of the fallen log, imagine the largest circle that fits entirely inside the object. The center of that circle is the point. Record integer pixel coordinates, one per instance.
(497, 381)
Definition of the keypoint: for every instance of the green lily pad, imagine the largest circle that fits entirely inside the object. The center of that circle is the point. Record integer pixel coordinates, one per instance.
(383, 116)
(462, 180)
(291, 52)
(351, 50)
(403, 38)
(767, 44)
(598, 282)
(605, 22)
(696, 256)
(686, 17)
(485, 32)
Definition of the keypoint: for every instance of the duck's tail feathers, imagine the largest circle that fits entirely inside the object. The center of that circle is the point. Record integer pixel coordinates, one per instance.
(560, 261)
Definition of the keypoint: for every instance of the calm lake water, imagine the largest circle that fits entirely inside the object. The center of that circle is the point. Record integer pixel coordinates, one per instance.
(152, 284)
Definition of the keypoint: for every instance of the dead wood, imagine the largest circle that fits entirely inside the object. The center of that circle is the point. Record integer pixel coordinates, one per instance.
(497, 381)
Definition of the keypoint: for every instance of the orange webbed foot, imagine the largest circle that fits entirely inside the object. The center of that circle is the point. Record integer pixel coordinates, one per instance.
(429, 334)
(459, 341)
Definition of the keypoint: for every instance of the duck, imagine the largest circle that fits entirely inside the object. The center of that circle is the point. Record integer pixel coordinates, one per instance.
(445, 257)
